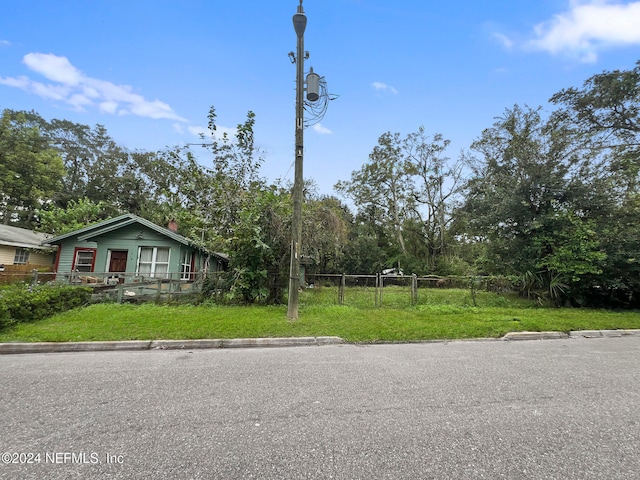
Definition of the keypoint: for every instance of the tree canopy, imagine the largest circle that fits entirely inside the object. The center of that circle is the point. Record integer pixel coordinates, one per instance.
(551, 198)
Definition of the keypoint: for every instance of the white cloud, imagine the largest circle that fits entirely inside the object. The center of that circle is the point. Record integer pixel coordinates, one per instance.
(73, 87)
(505, 41)
(17, 82)
(318, 128)
(54, 68)
(5, 43)
(108, 107)
(383, 87)
(589, 26)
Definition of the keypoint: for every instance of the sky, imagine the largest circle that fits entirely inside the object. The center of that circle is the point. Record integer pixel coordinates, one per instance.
(148, 70)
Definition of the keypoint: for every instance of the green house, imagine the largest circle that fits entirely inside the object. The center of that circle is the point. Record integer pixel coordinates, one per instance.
(129, 246)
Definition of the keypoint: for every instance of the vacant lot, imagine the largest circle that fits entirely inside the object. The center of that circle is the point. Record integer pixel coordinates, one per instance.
(439, 314)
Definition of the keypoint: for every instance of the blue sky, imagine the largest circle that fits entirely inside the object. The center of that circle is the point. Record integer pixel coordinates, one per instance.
(149, 70)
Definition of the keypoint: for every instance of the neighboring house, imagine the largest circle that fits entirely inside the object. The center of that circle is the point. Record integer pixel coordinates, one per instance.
(19, 246)
(133, 245)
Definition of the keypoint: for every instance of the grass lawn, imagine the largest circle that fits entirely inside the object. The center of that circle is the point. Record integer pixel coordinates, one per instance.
(439, 314)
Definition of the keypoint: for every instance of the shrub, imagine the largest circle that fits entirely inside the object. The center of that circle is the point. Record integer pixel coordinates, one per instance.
(23, 303)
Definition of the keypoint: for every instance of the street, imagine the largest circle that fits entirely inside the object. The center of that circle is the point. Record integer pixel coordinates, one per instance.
(555, 409)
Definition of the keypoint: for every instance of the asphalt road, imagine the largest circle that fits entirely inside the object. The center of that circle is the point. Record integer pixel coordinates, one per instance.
(556, 409)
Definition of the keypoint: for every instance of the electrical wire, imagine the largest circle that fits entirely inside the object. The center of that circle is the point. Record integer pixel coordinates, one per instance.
(315, 111)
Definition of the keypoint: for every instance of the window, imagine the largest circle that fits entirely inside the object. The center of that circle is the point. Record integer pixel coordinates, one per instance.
(185, 265)
(153, 261)
(21, 257)
(84, 260)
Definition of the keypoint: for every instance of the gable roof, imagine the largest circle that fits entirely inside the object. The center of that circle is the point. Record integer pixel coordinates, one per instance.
(23, 238)
(115, 223)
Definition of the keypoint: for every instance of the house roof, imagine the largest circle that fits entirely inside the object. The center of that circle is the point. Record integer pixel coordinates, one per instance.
(23, 238)
(127, 219)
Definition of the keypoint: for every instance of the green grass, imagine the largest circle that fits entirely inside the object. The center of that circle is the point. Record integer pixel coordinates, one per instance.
(440, 314)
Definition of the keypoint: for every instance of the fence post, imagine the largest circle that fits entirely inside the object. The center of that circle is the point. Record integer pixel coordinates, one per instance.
(120, 292)
(34, 277)
(159, 283)
(378, 294)
(381, 287)
(414, 289)
(341, 290)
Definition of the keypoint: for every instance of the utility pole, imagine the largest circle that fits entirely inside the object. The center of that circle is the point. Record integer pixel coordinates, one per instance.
(299, 25)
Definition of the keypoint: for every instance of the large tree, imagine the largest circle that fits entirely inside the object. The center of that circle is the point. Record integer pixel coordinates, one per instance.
(30, 171)
(406, 191)
(526, 201)
(382, 184)
(602, 119)
(437, 182)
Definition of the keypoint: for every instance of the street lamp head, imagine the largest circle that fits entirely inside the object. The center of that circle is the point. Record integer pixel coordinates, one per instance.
(300, 21)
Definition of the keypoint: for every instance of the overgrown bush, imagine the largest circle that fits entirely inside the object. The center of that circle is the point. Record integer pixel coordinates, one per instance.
(24, 303)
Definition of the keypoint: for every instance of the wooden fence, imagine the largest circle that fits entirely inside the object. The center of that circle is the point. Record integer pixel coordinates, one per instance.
(25, 273)
(133, 287)
(109, 286)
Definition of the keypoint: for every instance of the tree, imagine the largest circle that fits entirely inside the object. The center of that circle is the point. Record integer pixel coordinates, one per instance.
(325, 230)
(526, 201)
(383, 184)
(259, 248)
(58, 221)
(30, 171)
(606, 111)
(437, 182)
(602, 119)
(407, 189)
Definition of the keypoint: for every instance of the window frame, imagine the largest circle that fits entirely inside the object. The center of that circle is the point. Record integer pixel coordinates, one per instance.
(76, 253)
(154, 261)
(186, 265)
(21, 256)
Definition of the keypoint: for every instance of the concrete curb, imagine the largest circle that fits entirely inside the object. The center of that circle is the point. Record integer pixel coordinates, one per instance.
(132, 345)
(574, 334)
(55, 347)
(604, 333)
(535, 336)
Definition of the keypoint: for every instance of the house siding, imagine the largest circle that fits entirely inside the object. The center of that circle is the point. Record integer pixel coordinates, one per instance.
(131, 238)
(67, 253)
(8, 254)
(37, 258)
(129, 233)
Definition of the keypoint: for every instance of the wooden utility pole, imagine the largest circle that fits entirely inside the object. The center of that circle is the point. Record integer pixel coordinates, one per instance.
(299, 24)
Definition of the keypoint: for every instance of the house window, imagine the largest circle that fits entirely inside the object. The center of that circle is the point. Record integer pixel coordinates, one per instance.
(84, 260)
(21, 257)
(153, 261)
(185, 265)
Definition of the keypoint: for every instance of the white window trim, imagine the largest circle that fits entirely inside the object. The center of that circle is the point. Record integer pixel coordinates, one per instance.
(185, 267)
(106, 267)
(21, 254)
(93, 258)
(153, 262)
